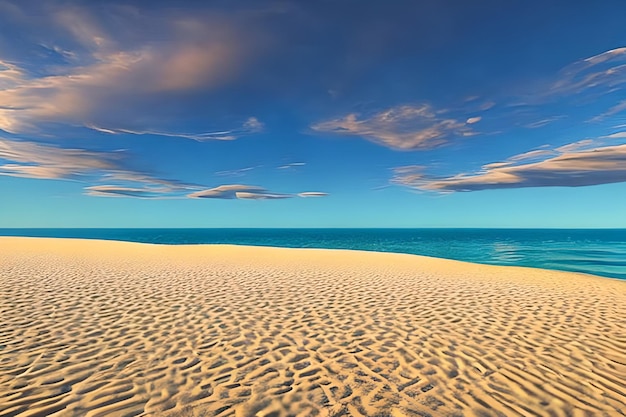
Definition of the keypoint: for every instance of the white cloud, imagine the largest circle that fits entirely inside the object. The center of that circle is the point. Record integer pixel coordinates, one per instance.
(250, 126)
(163, 190)
(10, 74)
(538, 153)
(115, 77)
(262, 196)
(253, 125)
(292, 165)
(493, 165)
(543, 122)
(473, 120)
(618, 108)
(606, 56)
(225, 191)
(128, 176)
(36, 171)
(605, 70)
(248, 192)
(487, 105)
(33, 160)
(600, 165)
(408, 168)
(235, 172)
(401, 128)
(120, 191)
(576, 146)
(618, 135)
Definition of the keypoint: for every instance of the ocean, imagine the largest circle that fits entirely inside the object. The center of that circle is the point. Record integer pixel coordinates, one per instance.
(593, 251)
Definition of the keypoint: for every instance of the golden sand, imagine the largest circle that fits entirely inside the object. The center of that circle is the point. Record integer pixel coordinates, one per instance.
(96, 328)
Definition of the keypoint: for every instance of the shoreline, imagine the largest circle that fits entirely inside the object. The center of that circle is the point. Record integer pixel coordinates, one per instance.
(101, 327)
(365, 251)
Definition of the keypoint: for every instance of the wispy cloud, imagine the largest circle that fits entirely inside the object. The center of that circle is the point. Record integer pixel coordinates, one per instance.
(292, 165)
(10, 74)
(135, 177)
(602, 71)
(423, 127)
(618, 135)
(249, 192)
(599, 165)
(577, 146)
(262, 196)
(577, 90)
(112, 78)
(33, 160)
(235, 172)
(120, 191)
(250, 126)
(532, 155)
(226, 191)
(543, 122)
(403, 127)
(616, 109)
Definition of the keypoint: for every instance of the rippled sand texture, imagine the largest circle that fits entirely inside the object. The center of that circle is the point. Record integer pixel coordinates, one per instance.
(94, 328)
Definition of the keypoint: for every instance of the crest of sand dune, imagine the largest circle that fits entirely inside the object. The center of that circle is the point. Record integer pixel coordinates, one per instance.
(94, 328)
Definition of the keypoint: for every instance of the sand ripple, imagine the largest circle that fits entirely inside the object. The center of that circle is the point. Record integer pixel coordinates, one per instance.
(91, 328)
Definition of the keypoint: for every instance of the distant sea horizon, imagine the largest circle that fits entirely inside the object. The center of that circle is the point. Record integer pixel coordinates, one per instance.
(593, 251)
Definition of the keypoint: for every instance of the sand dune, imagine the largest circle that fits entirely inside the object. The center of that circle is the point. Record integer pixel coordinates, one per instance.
(94, 328)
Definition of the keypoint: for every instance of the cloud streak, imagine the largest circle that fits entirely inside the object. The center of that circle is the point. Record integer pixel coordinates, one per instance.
(226, 191)
(120, 191)
(616, 109)
(405, 128)
(262, 196)
(424, 127)
(292, 165)
(605, 70)
(248, 192)
(33, 160)
(595, 166)
(236, 172)
(250, 126)
(115, 79)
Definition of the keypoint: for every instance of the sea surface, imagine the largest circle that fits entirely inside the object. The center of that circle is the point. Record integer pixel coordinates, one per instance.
(593, 251)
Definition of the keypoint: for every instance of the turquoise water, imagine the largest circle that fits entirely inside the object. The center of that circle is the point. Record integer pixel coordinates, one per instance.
(599, 251)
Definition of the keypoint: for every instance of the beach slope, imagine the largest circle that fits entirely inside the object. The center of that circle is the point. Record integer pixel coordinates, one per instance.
(102, 328)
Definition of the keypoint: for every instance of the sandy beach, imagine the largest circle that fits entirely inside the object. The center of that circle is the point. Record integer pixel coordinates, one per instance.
(102, 328)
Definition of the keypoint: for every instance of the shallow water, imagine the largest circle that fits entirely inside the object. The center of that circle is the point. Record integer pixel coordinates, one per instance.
(593, 251)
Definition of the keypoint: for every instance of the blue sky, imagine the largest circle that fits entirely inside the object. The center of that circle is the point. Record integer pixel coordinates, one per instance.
(312, 114)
